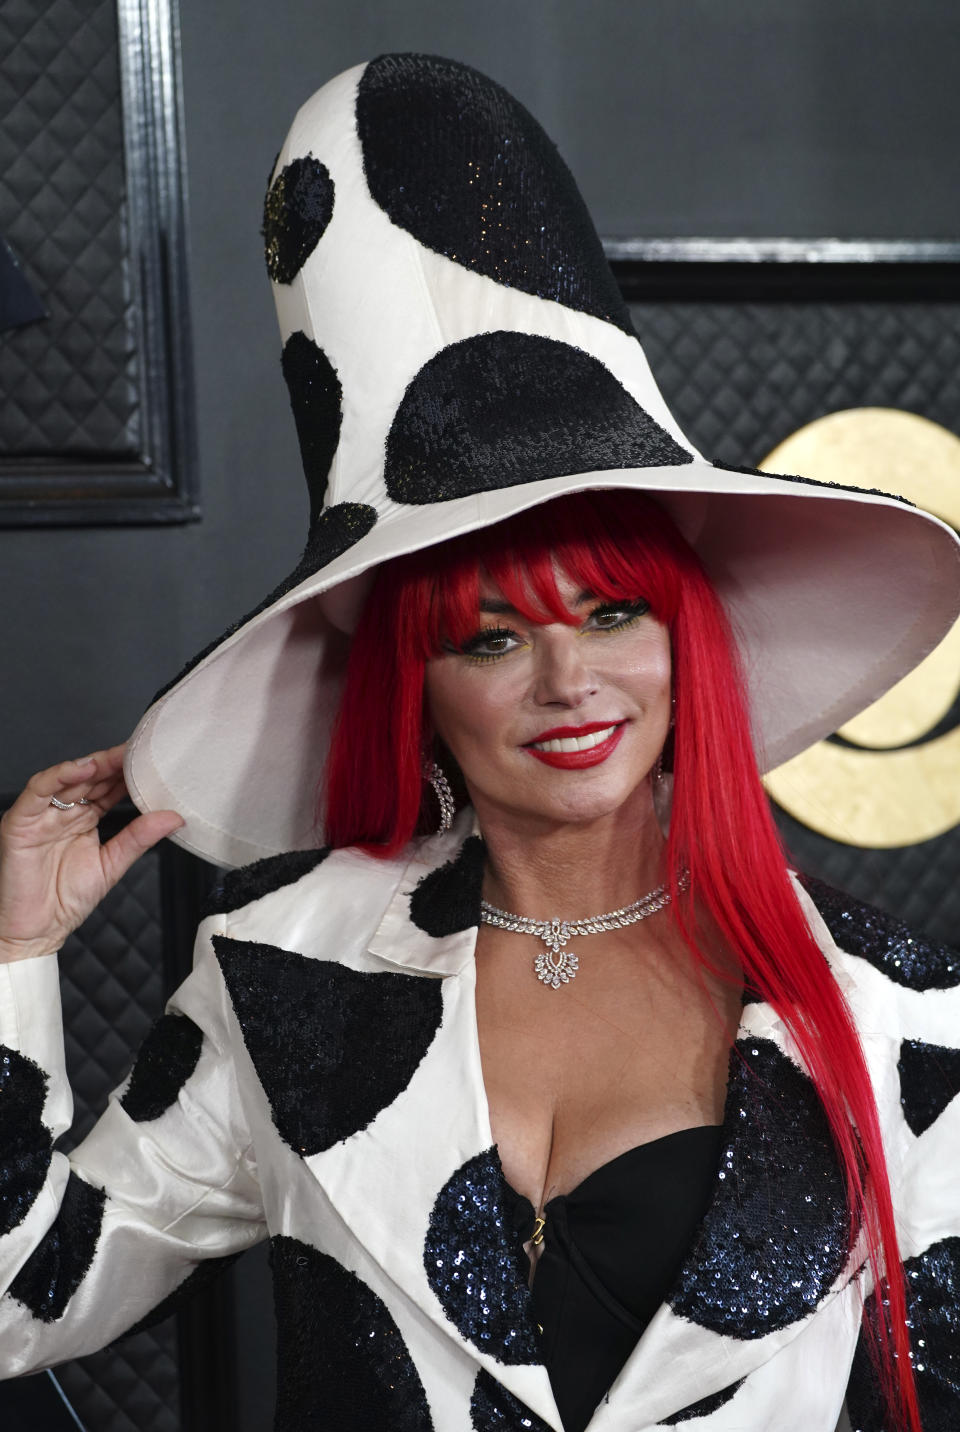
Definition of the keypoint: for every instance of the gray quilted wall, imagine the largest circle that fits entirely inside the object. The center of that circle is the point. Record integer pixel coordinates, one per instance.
(69, 383)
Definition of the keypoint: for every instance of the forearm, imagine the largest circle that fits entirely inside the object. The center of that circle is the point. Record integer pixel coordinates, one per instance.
(92, 1244)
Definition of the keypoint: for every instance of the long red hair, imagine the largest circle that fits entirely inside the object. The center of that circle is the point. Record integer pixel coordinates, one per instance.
(620, 546)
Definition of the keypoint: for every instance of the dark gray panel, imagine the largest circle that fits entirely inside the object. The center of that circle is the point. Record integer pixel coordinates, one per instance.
(69, 381)
(742, 376)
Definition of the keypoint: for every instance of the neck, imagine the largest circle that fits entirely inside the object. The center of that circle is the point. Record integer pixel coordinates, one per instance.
(571, 870)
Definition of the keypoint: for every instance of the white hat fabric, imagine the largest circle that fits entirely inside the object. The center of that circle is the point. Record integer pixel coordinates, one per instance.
(457, 350)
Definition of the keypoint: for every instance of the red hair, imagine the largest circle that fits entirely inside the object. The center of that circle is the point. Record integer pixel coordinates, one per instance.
(623, 545)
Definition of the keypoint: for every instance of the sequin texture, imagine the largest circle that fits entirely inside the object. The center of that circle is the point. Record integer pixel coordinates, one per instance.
(296, 211)
(335, 531)
(237, 888)
(458, 163)
(167, 1058)
(502, 409)
(341, 1360)
(929, 1081)
(471, 1263)
(884, 941)
(332, 1046)
(26, 1142)
(774, 1238)
(706, 1405)
(493, 1408)
(57, 1266)
(448, 899)
(316, 400)
(933, 1317)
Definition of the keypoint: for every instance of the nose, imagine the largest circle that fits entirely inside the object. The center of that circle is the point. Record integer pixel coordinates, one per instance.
(562, 676)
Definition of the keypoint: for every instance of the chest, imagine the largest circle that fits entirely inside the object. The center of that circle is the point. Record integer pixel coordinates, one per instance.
(634, 1048)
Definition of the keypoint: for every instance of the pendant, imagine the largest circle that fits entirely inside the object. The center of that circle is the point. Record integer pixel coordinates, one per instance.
(554, 965)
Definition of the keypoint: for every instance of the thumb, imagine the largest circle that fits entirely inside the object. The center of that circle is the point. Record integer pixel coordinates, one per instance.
(135, 840)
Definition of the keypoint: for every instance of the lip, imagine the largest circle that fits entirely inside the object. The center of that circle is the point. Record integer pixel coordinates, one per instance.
(578, 760)
(557, 733)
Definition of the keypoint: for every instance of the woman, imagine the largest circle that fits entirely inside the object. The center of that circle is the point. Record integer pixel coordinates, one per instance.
(478, 1086)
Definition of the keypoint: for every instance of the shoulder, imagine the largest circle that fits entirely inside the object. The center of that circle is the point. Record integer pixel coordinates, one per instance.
(903, 990)
(350, 907)
(302, 897)
(909, 959)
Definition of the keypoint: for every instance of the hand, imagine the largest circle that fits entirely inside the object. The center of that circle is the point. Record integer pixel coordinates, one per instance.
(53, 869)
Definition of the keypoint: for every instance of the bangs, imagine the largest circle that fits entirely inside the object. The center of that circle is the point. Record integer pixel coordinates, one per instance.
(617, 546)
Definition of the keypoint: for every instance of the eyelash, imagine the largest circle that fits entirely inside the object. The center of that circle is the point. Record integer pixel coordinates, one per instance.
(633, 610)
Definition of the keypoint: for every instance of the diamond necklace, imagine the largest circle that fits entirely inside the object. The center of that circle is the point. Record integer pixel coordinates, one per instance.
(556, 965)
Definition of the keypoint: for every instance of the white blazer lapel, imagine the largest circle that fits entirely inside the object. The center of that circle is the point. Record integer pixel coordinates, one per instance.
(421, 1186)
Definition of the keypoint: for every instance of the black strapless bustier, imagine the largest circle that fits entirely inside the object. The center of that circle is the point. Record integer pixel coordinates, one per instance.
(612, 1249)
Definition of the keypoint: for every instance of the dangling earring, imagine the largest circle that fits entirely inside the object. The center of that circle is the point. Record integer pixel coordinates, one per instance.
(444, 794)
(661, 781)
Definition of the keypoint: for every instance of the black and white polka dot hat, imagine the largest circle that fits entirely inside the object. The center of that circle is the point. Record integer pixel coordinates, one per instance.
(457, 350)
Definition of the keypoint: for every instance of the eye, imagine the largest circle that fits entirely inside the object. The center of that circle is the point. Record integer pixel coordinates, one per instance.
(614, 616)
(491, 643)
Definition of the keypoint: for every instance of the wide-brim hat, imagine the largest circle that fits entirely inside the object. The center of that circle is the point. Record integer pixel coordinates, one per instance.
(457, 350)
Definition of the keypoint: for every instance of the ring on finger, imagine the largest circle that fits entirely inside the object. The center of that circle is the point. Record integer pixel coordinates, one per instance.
(68, 805)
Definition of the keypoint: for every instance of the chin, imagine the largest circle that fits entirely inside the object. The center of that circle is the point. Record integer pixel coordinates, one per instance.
(580, 807)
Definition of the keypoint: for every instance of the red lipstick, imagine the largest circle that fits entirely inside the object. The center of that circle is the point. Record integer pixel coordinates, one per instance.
(557, 733)
(578, 760)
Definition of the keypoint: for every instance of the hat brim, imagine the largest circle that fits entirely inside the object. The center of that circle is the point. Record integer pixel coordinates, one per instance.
(834, 595)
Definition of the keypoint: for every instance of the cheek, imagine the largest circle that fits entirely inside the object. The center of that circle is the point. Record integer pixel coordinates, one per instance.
(449, 705)
(647, 669)
(466, 711)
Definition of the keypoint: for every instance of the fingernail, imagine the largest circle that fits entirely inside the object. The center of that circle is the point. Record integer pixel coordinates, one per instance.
(83, 761)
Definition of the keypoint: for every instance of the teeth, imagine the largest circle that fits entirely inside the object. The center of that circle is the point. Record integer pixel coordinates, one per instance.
(576, 743)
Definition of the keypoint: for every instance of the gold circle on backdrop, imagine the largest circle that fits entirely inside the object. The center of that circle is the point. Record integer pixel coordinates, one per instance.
(880, 797)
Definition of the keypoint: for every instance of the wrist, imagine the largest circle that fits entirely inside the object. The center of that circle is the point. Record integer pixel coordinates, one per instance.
(12, 951)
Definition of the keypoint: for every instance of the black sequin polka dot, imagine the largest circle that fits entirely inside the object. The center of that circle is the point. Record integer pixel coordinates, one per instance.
(296, 211)
(884, 941)
(493, 1408)
(57, 1266)
(705, 1406)
(332, 1046)
(471, 1263)
(167, 1058)
(203, 1276)
(505, 408)
(335, 531)
(929, 1081)
(460, 164)
(775, 1235)
(341, 1361)
(251, 882)
(448, 899)
(315, 397)
(26, 1142)
(933, 1316)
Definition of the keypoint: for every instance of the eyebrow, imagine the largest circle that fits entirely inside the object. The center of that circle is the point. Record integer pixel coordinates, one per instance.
(496, 606)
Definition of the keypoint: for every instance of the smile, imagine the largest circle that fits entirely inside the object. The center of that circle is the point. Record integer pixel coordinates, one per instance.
(573, 748)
